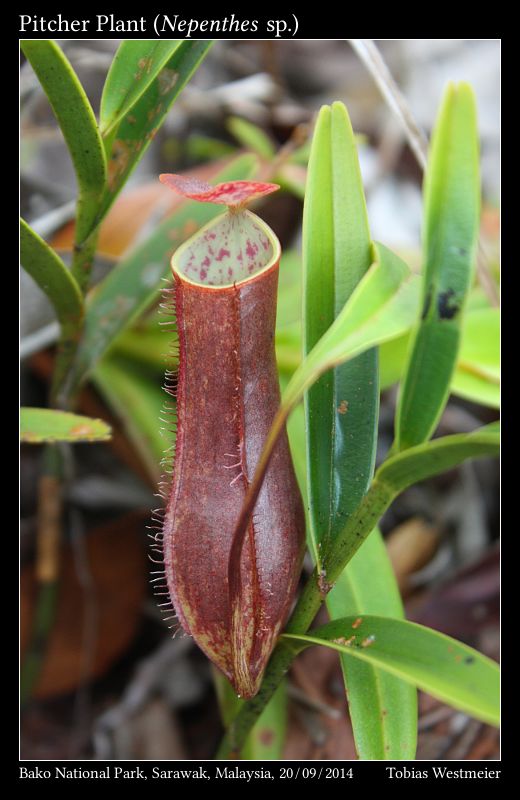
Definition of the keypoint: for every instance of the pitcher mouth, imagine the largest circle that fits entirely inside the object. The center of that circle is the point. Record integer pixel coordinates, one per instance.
(229, 250)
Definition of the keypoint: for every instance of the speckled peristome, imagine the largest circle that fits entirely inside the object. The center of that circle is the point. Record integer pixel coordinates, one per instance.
(227, 252)
(227, 397)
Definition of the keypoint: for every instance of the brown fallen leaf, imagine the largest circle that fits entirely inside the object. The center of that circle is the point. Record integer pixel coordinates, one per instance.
(411, 546)
(117, 564)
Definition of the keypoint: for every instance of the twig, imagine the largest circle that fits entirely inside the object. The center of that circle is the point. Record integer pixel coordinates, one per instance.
(295, 693)
(373, 61)
(144, 682)
(417, 139)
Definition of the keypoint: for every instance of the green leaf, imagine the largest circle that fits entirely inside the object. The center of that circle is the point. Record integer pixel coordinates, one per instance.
(383, 708)
(267, 737)
(136, 65)
(392, 359)
(342, 407)
(452, 203)
(147, 346)
(137, 399)
(39, 425)
(381, 307)
(78, 125)
(251, 136)
(134, 283)
(477, 373)
(127, 141)
(450, 671)
(395, 475)
(480, 345)
(439, 455)
(341, 416)
(472, 385)
(53, 278)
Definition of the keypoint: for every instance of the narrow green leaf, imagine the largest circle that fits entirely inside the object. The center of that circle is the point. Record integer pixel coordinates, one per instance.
(39, 425)
(428, 459)
(251, 136)
(342, 406)
(341, 416)
(395, 475)
(136, 65)
(477, 373)
(383, 708)
(147, 346)
(53, 277)
(127, 141)
(437, 664)
(138, 401)
(381, 307)
(480, 345)
(135, 281)
(476, 387)
(78, 125)
(451, 209)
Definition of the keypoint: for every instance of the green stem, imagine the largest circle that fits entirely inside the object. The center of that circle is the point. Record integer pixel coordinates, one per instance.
(62, 385)
(82, 259)
(47, 569)
(360, 524)
(42, 624)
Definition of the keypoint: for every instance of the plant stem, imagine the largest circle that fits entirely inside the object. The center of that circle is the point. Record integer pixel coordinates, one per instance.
(82, 259)
(359, 526)
(47, 568)
(81, 269)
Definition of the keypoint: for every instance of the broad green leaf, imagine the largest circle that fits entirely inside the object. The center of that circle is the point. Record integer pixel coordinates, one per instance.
(267, 738)
(341, 408)
(252, 137)
(39, 425)
(138, 400)
(136, 64)
(127, 141)
(53, 278)
(383, 708)
(450, 671)
(134, 283)
(451, 223)
(78, 125)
